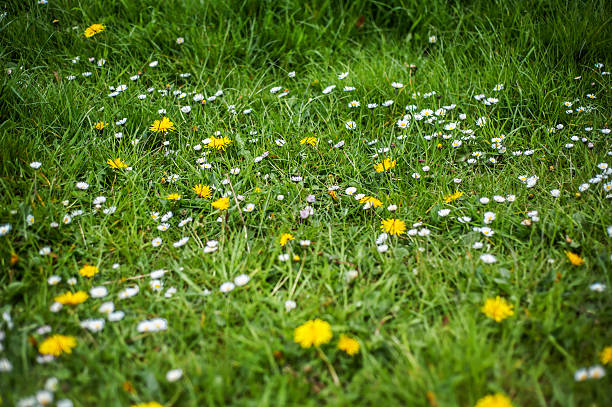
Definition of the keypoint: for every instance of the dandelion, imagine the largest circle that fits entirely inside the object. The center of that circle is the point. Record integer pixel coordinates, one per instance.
(149, 404)
(173, 197)
(314, 332)
(203, 191)
(162, 126)
(348, 345)
(219, 143)
(370, 201)
(88, 271)
(116, 163)
(575, 259)
(385, 165)
(494, 400)
(93, 30)
(221, 203)
(453, 197)
(69, 298)
(309, 140)
(497, 309)
(285, 237)
(100, 125)
(393, 226)
(606, 355)
(56, 345)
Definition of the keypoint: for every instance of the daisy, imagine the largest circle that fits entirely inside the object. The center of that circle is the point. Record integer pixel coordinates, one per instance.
(350, 125)
(156, 242)
(343, 75)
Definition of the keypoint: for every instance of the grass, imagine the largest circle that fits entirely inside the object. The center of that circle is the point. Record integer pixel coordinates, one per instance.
(415, 309)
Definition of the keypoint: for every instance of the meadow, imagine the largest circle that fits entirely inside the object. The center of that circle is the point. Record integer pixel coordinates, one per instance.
(303, 203)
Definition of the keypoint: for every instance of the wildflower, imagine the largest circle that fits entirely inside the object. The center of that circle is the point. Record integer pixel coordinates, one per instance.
(98, 292)
(453, 197)
(370, 201)
(393, 226)
(350, 125)
(116, 163)
(35, 164)
(203, 191)
(241, 280)
(57, 344)
(227, 287)
(162, 126)
(348, 345)
(575, 259)
(156, 242)
(221, 203)
(4, 229)
(443, 212)
(606, 355)
(581, 375)
(149, 404)
(354, 103)
(93, 30)
(309, 140)
(314, 332)
(173, 197)
(290, 305)
(494, 400)
(100, 125)
(487, 258)
(82, 185)
(596, 372)
(69, 298)
(497, 309)
(219, 143)
(174, 374)
(88, 271)
(385, 165)
(285, 237)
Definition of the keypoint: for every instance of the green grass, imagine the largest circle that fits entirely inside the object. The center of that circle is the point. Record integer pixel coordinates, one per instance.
(414, 309)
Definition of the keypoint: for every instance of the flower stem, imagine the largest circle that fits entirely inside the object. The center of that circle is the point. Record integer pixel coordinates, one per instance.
(332, 371)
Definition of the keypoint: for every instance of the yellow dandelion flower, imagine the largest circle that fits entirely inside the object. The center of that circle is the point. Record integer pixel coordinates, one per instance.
(575, 259)
(57, 344)
(385, 165)
(494, 400)
(257, 190)
(88, 271)
(333, 194)
(285, 237)
(393, 226)
(94, 29)
(374, 202)
(348, 344)
(162, 126)
(203, 191)
(149, 404)
(309, 140)
(497, 308)
(221, 203)
(314, 332)
(69, 298)
(116, 163)
(453, 197)
(219, 143)
(100, 125)
(173, 197)
(606, 355)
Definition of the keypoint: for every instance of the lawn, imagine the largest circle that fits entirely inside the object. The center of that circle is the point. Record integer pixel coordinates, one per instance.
(287, 203)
